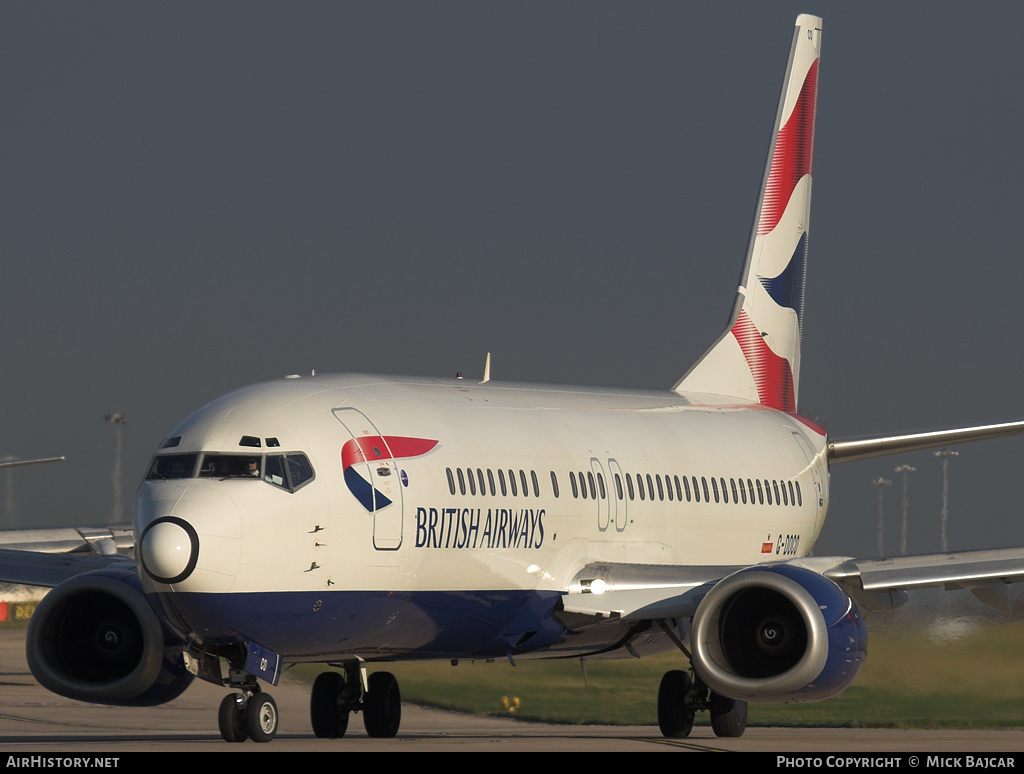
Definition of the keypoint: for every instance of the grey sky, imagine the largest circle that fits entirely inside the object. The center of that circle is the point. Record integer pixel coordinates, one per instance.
(197, 196)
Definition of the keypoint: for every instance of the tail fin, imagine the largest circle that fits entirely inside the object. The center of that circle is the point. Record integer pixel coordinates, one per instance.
(757, 358)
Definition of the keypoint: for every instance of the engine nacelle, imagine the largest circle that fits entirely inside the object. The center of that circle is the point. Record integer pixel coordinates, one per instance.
(95, 638)
(776, 633)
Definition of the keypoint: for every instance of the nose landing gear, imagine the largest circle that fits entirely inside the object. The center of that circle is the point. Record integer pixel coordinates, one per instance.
(250, 715)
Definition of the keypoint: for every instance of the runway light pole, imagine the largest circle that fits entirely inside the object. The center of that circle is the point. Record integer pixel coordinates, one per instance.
(118, 421)
(905, 470)
(945, 454)
(881, 483)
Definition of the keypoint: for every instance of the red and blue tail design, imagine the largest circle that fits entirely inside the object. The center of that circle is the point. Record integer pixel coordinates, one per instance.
(757, 359)
(371, 453)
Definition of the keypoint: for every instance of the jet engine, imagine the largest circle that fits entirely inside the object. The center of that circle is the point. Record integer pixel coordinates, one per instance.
(778, 633)
(95, 638)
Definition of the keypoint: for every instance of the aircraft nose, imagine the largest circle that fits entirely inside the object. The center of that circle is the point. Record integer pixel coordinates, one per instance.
(169, 550)
(188, 535)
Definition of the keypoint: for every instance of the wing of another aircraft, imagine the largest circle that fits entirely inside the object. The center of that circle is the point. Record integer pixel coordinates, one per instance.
(37, 461)
(47, 557)
(47, 570)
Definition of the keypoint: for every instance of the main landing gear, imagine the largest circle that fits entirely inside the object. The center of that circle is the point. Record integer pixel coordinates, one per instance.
(336, 695)
(680, 697)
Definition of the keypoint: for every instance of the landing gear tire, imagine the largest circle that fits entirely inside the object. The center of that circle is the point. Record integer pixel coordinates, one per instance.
(329, 720)
(231, 718)
(675, 712)
(261, 717)
(728, 716)
(382, 706)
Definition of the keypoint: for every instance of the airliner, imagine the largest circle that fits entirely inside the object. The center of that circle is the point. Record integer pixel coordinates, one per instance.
(17, 463)
(355, 520)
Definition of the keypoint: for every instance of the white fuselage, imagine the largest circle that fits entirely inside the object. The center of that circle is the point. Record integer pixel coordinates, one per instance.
(678, 481)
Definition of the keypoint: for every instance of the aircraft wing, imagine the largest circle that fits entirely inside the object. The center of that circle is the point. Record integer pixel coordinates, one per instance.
(986, 574)
(625, 592)
(629, 592)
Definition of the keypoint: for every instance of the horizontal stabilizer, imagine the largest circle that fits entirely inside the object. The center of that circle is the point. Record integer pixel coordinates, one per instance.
(864, 448)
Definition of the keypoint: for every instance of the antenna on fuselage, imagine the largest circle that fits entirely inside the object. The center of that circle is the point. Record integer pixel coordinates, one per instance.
(487, 369)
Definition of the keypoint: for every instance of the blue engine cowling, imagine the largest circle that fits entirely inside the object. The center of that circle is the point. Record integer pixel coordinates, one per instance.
(95, 638)
(778, 633)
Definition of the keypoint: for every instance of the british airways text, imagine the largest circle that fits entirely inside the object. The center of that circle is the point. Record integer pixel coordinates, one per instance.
(479, 528)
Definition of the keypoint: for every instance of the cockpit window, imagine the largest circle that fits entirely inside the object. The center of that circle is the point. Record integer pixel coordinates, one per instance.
(230, 466)
(173, 466)
(288, 471)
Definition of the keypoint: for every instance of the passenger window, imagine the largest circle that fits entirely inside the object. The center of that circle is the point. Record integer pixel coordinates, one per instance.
(554, 483)
(640, 486)
(661, 491)
(725, 491)
(686, 488)
(792, 499)
(714, 488)
(501, 482)
(462, 481)
(799, 496)
(629, 486)
(536, 483)
(451, 480)
(472, 482)
(572, 483)
(600, 486)
(522, 479)
(490, 482)
(618, 486)
(512, 482)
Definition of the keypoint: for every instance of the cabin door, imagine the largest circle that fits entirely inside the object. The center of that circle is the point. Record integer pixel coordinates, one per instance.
(372, 476)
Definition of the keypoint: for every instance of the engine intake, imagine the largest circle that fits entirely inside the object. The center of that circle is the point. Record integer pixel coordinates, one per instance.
(775, 633)
(95, 638)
